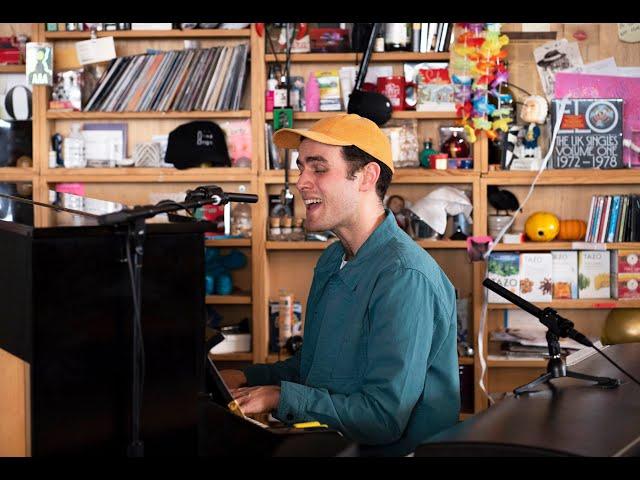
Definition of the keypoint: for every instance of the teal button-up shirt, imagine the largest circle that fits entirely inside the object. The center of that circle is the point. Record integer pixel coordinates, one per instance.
(379, 359)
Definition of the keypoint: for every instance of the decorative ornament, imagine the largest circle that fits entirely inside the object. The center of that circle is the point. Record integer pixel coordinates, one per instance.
(477, 72)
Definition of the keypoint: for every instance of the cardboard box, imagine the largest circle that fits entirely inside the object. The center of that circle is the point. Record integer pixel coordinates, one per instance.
(565, 274)
(625, 274)
(536, 284)
(627, 261)
(626, 286)
(504, 269)
(594, 274)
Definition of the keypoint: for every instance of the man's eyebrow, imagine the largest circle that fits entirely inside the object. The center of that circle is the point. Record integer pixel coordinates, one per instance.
(312, 159)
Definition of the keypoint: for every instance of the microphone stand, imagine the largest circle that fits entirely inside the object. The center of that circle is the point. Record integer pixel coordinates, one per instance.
(135, 218)
(557, 326)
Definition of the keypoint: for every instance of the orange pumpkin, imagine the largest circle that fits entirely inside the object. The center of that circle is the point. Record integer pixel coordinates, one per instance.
(572, 230)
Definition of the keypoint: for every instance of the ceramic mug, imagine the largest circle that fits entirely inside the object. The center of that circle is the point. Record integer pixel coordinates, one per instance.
(395, 88)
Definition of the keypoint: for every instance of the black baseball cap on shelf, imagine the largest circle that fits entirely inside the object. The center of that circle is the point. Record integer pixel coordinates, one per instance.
(197, 144)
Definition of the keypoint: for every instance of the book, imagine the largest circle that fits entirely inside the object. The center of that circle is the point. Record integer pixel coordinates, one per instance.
(613, 220)
(602, 228)
(590, 217)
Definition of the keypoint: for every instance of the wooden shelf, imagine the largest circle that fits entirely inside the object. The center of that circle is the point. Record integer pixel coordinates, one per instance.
(228, 242)
(232, 357)
(401, 176)
(228, 300)
(407, 114)
(15, 174)
(141, 175)
(64, 115)
(428, 175)
(12, 68)
(442, 244)
(354, 57)
(277, 245)
(515, 363)
(465, 361)
(586, 304)
(565, 177)
(169, 34)
(547, 246)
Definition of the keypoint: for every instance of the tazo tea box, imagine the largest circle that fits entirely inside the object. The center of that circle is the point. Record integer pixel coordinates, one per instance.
(504, 269)
(536, 282)
(565, 274)
(625, 270)
(594, 274)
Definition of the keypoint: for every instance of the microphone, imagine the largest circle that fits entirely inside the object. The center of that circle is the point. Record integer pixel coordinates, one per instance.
(548, 317)
(240, 197)
(214, 191)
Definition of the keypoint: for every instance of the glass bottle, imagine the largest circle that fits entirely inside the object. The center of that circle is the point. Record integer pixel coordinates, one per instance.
(312, 94)
(456, 146)
(397, 36)
(241, 217)
(280, 94)
(272, 83)
(73, 148)
(427, 151)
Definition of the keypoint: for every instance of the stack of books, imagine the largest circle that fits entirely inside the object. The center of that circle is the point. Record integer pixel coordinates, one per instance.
(435, 37)
(614, 219)
(208, 79)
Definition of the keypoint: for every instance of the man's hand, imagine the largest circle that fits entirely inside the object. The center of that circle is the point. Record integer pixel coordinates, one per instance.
(233, 378)
(257, 399)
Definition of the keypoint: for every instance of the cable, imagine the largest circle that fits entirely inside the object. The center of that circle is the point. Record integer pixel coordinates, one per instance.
(615, 364)
(496, 240)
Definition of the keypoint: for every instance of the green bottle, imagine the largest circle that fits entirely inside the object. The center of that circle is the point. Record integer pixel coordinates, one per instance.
(427, 151)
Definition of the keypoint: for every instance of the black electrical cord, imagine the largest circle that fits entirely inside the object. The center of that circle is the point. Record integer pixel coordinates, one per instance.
(615, 364)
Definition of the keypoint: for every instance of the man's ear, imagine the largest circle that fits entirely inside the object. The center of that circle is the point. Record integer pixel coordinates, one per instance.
(370, 175)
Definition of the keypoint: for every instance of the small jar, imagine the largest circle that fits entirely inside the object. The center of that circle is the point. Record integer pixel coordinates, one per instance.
(286, 229)
(275, 233)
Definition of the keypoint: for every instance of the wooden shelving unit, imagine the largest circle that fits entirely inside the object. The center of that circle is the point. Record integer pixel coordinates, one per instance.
(408, 114)
(162, 34)
(228, 242)
(548, 246)
(228, 300)
(137, 175)
(12, 68)
(87, 116)
(270, 260)
(355, 57)
(586, 304)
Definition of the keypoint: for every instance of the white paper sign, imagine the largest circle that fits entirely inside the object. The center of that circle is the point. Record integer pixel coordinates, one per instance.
(536, 27)
(629, 32)
(95, 50)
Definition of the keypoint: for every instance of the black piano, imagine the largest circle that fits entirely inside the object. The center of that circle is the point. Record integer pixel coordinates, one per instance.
(66, 341)
(566, 418)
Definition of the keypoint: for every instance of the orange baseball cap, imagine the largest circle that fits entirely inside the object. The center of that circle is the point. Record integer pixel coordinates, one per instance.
(341, 130)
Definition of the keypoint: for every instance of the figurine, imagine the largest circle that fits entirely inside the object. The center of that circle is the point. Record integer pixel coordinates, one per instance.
(534, 112)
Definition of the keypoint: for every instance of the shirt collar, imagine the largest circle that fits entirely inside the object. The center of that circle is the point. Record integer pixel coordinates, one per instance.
(351, 272)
